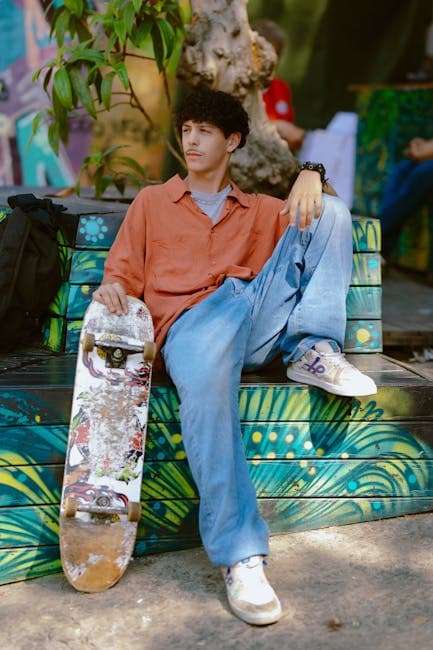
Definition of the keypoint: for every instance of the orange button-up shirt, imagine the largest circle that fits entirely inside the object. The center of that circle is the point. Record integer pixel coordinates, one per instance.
(169, 252)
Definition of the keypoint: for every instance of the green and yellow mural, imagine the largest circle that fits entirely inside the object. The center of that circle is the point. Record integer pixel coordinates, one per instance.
(316, 460)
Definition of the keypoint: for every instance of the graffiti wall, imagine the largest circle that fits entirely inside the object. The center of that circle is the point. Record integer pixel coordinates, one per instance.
(25, 46)
(24, 30)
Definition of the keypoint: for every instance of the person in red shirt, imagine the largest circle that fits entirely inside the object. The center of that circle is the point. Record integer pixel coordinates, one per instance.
(278, 95)
(232, 280)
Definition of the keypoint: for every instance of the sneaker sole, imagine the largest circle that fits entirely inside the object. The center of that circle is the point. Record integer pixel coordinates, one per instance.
(255, 619)
(296, 375)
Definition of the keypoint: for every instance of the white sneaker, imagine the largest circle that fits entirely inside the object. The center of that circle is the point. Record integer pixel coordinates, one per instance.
(326, 366)
(250, 595)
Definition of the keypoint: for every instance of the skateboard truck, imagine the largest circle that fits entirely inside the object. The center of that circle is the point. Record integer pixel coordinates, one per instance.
(102, 506)
(116, 351)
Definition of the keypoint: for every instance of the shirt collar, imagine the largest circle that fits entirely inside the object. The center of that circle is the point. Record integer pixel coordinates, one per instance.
(176, 189)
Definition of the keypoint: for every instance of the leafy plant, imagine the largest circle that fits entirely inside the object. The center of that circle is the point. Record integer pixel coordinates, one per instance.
(95, 41)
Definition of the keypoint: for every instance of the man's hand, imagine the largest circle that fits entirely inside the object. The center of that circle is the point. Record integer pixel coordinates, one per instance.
(305, 199)
(113, 296)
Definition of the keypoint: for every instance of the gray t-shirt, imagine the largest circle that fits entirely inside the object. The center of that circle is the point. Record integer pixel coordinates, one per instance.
(211, 204)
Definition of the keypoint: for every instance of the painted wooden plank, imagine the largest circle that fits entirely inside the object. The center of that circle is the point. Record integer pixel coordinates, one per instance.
(72, 301)
(34, 525)
(30, 484)
(99, 230)
(31, 562)
(159, 535)
(33, 444)
(178, 519)
(364, 302)
(87, 267)
(283, 515)
(46, 444)
(366, 234)
(386, 477)
(366, 269)
(41, 393)
(362, 335)
(273, 403)
(41, 484)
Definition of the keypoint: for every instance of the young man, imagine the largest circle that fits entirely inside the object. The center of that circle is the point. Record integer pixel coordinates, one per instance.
(232, 280)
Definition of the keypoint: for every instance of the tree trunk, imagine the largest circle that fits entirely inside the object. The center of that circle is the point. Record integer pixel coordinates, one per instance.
(223, 53)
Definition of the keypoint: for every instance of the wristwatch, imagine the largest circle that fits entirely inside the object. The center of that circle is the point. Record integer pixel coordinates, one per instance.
(315, 167)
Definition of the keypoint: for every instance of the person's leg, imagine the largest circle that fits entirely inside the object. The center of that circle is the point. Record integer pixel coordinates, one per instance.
(299, 304)
(204, 354)
(407, 189)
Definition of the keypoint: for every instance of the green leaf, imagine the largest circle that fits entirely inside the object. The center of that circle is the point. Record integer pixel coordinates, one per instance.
(137, 5)
(122, 73)
(120, 29)
(53, 138)
(115, 147)
(61, 26)
(36, 74)
(82, 91)
(129, 17)
(75, 6)
(106, 89)
(158, 46)
(119, 184)
(110, 45)
(85, 54)
(129, 162)
(36, 122)
(141, 33)
(62, 86)
(61, 117)
(168, 35)
(84, 34)
(47, 78)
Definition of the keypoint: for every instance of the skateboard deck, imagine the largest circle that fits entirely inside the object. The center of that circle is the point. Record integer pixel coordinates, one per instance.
(100, 504)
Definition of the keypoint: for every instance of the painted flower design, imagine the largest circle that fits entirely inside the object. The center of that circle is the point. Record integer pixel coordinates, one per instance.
(93, 228)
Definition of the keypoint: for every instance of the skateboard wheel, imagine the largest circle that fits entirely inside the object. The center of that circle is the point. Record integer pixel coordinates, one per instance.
(149, 351)
(70, 507)
(134, 511)
(88, 342)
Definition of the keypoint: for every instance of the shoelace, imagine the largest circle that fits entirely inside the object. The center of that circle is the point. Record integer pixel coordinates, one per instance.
(336, 361)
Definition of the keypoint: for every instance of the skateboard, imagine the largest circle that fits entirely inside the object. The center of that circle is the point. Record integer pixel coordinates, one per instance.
(100, 505)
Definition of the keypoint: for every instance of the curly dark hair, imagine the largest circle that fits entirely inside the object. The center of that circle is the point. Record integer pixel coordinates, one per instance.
(216, 107)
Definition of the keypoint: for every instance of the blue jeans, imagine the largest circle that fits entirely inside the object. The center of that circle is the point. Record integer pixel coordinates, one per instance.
(408, 187)
(296, 300)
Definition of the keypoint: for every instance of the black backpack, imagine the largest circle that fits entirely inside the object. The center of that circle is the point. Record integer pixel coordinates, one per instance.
(30, 273)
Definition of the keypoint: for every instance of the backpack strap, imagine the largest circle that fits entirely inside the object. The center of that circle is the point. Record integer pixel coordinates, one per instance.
(14, 232)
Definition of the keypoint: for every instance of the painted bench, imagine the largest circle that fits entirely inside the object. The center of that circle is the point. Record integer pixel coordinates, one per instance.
(316, 460)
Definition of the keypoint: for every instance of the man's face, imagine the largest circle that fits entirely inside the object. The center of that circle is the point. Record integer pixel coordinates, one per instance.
(205, 146)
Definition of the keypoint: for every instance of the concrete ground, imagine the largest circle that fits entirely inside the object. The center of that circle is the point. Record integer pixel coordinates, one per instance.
(364, 586)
